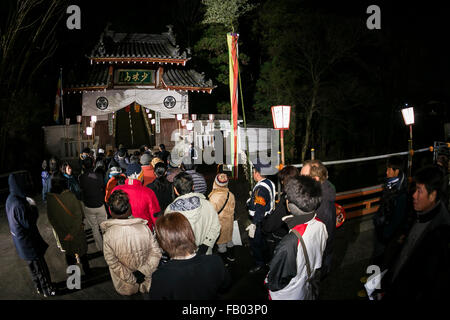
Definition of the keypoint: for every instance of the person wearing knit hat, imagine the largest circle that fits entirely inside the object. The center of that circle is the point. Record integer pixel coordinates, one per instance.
(148, 169)
(223, 202)
(143, 201)
(221, 180)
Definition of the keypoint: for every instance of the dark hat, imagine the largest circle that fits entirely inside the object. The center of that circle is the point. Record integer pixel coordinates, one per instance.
(258, 166)
(133, 168)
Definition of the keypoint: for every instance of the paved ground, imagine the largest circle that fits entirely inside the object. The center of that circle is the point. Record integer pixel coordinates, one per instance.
(352, 252)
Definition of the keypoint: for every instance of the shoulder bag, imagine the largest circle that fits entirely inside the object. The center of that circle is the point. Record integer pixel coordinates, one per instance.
(223, 207)
(313, 280)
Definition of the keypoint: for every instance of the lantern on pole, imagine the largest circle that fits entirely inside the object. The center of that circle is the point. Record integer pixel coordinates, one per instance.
(408, 118)
(281, 116)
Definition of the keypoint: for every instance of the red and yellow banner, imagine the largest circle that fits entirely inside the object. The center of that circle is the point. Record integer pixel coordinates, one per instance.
(232, 40)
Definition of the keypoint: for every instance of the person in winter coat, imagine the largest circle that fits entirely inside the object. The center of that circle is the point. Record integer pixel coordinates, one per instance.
(224, 203)
(65, 214)
(391, 217)
(421, 268)
(45, 176)
(130, 249)
(163, 154)
(199, 180)
(172, 170)
(273, 226)
(22, 215)
(199, 211)
(327, 210)
(93, 194)
(292, 276)
(147, 168)
(161, 187)
(142, 199)
(187, 275)
(122, 159)
(72, 182)
(260, 204)
(116, 178)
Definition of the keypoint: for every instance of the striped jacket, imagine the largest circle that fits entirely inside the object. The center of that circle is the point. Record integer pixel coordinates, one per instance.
(199, 181)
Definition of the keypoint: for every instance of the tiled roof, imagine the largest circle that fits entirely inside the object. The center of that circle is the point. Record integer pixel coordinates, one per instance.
(137, 48)
(130, 50)
(98, 78)
(95, 78)
(189, 80)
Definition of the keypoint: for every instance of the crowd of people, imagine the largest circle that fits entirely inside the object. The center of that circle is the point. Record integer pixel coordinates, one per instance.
(163, 235)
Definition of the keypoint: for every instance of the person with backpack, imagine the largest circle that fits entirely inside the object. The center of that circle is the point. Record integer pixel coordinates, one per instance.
(294, 270)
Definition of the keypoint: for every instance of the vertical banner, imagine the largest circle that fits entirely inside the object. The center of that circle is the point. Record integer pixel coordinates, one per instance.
(158, 122)
(232, 40)
(58, 100)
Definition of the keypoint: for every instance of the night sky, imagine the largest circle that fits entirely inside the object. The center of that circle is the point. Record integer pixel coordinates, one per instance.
(416, 33)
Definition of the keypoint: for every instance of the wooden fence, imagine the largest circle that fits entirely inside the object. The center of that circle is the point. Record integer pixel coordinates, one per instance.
(360, 202)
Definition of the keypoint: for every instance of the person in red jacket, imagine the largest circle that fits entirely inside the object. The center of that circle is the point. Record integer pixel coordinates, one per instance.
(143, 201)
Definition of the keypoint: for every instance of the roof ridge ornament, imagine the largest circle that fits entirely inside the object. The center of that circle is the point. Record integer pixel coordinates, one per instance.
(170, 34)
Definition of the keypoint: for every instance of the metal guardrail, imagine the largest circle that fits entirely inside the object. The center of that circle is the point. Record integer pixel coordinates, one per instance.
(360, 205)
(370, 158)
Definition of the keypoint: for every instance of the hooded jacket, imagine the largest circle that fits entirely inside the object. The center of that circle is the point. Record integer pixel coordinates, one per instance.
(218, 197)
(287, 277)
(129, 246)
(22, 220)
(201, 215)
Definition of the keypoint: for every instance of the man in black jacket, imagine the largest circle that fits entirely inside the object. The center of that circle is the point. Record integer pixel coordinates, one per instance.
(327, 210)
(93, 196)
(422, 269)
(390, 219)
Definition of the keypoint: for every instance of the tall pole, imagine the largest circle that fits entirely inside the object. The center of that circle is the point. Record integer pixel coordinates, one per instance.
(410, 154)
(79, 138)
(282, 147)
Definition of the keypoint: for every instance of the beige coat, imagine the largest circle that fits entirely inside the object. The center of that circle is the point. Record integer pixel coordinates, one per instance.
(217, 197)
(129, 245)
